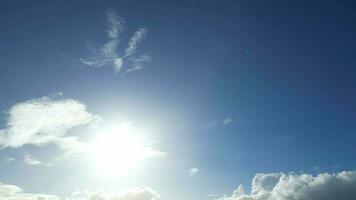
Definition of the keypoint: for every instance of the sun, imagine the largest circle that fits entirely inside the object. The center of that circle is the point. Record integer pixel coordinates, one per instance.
(115, 151)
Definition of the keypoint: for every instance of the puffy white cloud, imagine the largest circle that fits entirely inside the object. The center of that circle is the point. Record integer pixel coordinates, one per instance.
(45, 121)
(279, 186)
(13, 192)
(107, 54)
(193, 171)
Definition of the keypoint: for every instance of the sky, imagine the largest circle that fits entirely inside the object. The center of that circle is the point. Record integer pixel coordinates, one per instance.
(171, 100)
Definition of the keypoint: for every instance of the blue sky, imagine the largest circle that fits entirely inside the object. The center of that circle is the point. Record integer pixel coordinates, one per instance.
(221, 91)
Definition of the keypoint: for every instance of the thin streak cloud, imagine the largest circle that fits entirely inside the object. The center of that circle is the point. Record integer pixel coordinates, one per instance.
(108, 53)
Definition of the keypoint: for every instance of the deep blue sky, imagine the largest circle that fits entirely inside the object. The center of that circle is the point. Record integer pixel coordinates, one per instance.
(284, 71)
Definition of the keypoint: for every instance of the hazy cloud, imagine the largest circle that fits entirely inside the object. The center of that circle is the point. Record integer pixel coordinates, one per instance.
(107, 54)
(280, 186)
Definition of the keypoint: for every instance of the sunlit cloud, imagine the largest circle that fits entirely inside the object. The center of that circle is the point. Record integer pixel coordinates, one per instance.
(193, 171)
(43, 121)
(280, 186)
(107, 54)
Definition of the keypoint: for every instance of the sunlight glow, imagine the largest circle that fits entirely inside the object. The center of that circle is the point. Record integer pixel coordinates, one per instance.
(117, 150)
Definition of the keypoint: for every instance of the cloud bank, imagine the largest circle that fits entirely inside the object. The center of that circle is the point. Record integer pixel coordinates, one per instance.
(279, 186)
(107, 54)
(13, 192)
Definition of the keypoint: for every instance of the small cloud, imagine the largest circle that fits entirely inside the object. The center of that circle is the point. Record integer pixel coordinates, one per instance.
(193, 171)
(107, 54)
(29, 160)
(7, 160)
(227, 120)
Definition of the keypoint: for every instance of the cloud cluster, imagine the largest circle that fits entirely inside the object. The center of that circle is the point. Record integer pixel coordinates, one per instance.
(13, 192)
(44, 121)
(279, 186)
(107, 54)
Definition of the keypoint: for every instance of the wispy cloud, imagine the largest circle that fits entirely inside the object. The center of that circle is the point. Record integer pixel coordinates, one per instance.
(193, 171)
(6, 160)
(224, 122)
(139, 35)
(107, 54)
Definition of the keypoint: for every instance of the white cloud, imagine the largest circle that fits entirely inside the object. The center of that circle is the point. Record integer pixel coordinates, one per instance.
(279, 186)
(13, 192)
(107, 54)
(193, 171)
(29, 160)
(44, 121)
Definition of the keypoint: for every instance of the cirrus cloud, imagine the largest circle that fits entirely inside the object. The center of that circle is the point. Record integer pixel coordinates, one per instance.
(107, 54)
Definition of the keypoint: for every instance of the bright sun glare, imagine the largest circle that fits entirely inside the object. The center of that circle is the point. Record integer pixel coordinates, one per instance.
(117, 150)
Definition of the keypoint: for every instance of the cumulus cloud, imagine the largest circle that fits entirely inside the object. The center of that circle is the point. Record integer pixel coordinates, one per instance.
(193, 171)
(13, 192)
(107, 54)
(44, 121)
(280, 186)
